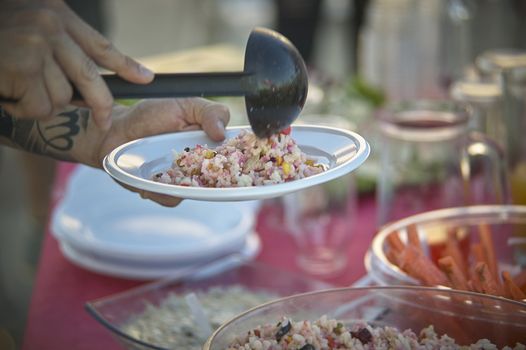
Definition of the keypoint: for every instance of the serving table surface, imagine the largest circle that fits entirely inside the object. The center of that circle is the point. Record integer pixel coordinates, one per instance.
(57, 318)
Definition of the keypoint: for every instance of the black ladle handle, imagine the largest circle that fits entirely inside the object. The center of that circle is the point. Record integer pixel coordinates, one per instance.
(175, 85)
(180, 85)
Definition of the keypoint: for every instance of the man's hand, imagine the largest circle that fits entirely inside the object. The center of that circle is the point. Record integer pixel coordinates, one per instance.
(45, 48)
(72, 136)
(152, 117)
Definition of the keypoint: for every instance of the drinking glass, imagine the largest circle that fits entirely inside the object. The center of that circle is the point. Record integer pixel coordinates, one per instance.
(320, 219)
(510, 67)
(482, 99)
(429, 159)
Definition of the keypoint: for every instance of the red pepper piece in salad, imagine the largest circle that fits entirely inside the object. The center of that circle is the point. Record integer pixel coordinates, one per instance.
(286, 131)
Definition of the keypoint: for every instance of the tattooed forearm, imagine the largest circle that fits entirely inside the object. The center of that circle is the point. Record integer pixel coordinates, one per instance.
(59, 134)
(55, 137)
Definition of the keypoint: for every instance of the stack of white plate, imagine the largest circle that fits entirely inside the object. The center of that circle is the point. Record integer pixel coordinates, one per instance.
(107, 229)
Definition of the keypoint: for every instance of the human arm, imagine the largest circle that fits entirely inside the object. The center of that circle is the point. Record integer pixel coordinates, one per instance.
(45, 49)
(72, 136)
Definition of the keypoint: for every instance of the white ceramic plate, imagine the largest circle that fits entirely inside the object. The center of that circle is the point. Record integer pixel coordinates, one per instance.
(249, 251)
(102, 218)
(134, 163)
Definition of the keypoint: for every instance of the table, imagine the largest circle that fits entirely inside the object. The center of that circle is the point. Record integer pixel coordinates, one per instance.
(57, 319)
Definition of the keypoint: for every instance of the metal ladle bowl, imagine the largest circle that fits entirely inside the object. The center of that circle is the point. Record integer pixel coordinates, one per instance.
(279, 82)
(274, 82)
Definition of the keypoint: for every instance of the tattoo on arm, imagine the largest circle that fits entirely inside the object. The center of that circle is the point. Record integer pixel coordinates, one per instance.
(55, 137)
(60, 133)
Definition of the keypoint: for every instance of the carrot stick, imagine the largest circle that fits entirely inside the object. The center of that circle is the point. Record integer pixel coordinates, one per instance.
(393, 256)
(486, 240)
(477, 256)
(512, 290)
(477, 252)
(412, 237)
(395, 242)
(421, 267)
(486, 281)
(474, 287)
(455, 276)
(453, 250)
(520, 280)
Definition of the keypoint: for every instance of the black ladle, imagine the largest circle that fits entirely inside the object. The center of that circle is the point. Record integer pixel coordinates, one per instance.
(274, 82)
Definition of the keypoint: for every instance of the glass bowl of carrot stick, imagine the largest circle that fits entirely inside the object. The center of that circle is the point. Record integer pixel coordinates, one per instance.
(480, 249)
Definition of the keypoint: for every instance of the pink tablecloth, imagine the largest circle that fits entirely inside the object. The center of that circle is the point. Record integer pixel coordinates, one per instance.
(57, 319)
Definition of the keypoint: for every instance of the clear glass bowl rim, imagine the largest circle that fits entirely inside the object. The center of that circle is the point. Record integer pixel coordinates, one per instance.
(429, 290)
(376, 250)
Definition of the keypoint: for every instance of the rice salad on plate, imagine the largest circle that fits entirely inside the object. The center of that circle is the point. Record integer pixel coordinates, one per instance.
(241, 161)
(325, 334)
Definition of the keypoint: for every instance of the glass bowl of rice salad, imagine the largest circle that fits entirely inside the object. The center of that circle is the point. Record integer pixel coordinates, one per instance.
(381, 317)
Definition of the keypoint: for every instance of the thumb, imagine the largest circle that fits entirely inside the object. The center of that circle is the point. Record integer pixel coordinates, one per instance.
(213, 118)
